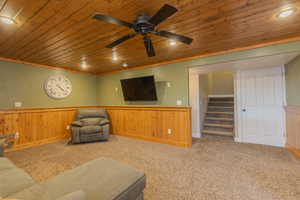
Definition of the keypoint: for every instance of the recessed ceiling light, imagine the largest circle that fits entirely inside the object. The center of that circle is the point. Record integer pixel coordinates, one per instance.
(114, 58)
(287, 12)
(125, 65)
(84, 65)
(173, 43)
(7, 20)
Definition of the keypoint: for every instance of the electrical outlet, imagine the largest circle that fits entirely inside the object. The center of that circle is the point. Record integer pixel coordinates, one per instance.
(178, 102)
(17, 135)
(116, 89)
(68, 127)
(169, 131)
(168, 84)
(18, 104)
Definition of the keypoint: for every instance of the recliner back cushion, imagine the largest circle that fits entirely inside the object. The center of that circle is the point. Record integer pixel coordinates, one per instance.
(91, 121)
(91, 113)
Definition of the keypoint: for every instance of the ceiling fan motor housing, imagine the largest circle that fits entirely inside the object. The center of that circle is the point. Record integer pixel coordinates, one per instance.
(142, 24)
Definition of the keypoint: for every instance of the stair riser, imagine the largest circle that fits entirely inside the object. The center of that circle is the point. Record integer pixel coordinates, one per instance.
(218, 129)
(220, 115)
(220, 109)
(219, 134)
(220, 104)
(222, 99)
(218, 122)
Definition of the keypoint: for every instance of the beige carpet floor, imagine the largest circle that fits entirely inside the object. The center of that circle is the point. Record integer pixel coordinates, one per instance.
(215, 168)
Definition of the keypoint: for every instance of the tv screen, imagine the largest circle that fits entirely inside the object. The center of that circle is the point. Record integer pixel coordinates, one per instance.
(139, 89)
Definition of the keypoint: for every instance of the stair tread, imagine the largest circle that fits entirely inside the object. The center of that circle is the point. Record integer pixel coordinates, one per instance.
(227, 133)
(219, 125)
(219, 118)
(218, 112)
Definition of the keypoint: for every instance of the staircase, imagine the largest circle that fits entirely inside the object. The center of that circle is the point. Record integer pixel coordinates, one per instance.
(219, 119)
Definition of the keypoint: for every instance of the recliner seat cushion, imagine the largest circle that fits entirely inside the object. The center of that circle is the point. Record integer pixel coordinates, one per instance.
(91, 121)
(90, 129)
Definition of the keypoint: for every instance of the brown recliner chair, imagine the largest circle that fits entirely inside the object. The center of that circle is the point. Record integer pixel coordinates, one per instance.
(90, 125)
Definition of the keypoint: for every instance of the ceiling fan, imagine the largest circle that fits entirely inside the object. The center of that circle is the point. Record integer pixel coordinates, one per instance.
(144, 25)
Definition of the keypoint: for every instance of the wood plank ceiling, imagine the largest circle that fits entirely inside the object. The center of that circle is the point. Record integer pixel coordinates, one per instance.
(62, 33)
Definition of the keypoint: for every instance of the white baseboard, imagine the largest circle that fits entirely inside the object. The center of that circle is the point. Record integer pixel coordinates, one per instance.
(221, 96)
(236, 139)
(196, 135)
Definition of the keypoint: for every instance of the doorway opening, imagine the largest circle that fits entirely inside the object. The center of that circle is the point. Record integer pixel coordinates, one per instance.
(243, 99)
(216, 100)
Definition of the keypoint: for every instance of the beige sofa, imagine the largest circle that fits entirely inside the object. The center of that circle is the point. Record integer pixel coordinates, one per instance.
(100, 179)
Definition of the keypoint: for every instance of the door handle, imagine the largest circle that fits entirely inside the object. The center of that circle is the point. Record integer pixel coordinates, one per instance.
(244, 110)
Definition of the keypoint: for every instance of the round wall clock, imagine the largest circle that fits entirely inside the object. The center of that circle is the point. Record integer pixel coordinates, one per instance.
(58, 87)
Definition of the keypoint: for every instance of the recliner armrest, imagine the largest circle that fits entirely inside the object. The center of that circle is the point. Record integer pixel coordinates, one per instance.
(104, 122)
(77, 124)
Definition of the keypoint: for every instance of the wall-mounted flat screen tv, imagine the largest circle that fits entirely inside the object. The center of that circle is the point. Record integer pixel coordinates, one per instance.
(139, 89)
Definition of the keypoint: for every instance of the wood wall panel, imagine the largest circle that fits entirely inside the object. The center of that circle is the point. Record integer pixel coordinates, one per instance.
(293, 129)
(152, 124)
(41, 126)
(36, 126)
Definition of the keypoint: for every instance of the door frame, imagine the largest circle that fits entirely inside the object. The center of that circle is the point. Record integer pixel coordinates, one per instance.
(194, 94)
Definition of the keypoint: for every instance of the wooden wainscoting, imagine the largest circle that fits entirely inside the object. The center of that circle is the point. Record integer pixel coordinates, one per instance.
(293, 129)
(160, 124)
(36, 126)
(41, 126)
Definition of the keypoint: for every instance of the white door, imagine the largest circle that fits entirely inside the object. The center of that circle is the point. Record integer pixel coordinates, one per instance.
(260, 106)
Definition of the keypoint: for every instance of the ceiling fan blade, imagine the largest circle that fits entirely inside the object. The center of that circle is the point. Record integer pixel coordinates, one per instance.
(149, 47)
(163, 13)
(112, 20)
(119, 41)
(174, 36)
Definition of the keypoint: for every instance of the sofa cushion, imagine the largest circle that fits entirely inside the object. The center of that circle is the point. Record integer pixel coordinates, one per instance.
(2, 143)
(104, 122)
(91, 113)
(77, 195)
(35, 192)
(90, 129)
(38, 192)
(91, 121)
(103, 179)
(5, 164)
(13, 179)
(77, 123)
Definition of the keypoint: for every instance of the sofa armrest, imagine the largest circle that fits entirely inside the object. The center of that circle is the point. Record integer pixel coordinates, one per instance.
(77, 123)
